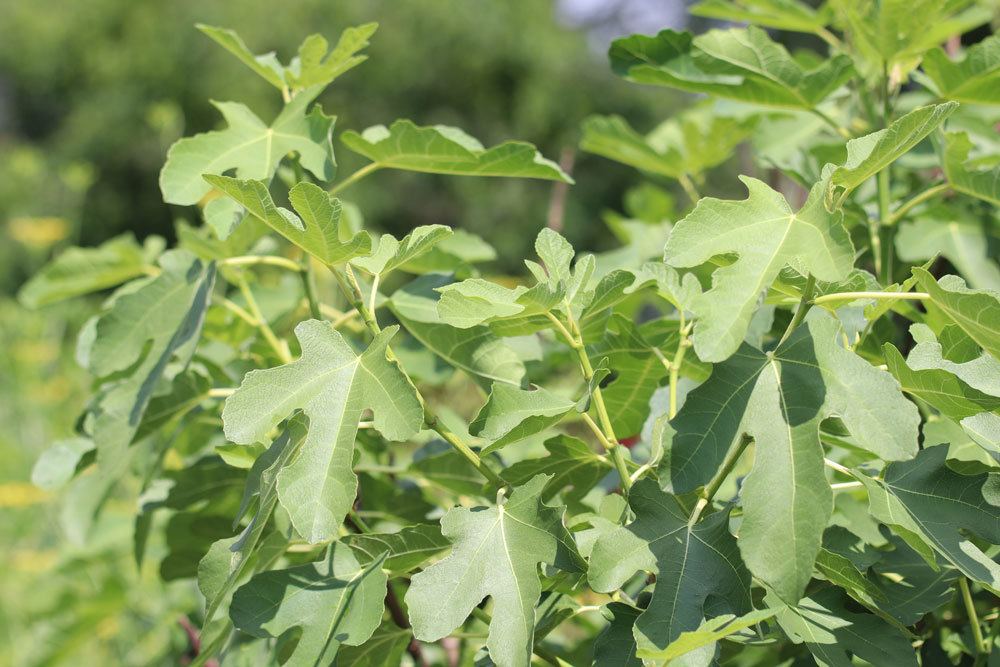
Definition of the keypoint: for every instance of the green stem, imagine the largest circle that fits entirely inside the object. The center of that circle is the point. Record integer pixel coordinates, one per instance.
(355, 177)
(689, 189)
(800, 312)
(309, 286)
(265, 329)
(970, 609)
(917, 200)
(882, 181)
(713, 487)
(269, 260)
(853, 296)
(609, 440)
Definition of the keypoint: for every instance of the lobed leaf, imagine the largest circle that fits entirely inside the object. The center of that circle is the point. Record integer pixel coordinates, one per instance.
(448, 150)
(332, 385)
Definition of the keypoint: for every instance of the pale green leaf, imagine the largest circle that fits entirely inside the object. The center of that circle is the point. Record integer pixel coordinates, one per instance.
(870, 154)
(709, 632)
(743, 64)
(385, 649)
(940, 388)
(977, 312)
(332, 385)
(317, 67)
(78, 271)
(964, 175)
(448, 150)
(333, 602)
(135, 340)
(512, 414)
(390, 253)
(476, 350)
(262, 487)
(897, 32)
(496, 553)
(943, 508)
(313, 66)
(978, 370)
(984, 429)
(404, 551)
(768, 236)
(974, 78)
(779, 398)
(833, 634)
(961, 239)
(475, 301)
(780, 14)
(250, 147)
(318, 230)
(688, 144)
(57, 464)
(694, 565)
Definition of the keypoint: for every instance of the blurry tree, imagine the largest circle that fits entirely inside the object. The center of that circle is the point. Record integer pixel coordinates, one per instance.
(111, 83)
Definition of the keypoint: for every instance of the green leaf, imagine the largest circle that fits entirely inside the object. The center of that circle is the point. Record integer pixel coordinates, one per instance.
(979, 370)
(638, 370)
(317, 67)
(870, 154)
(78, 271)
(695, 567)
(689, 144)
(319, 231)
(984, 429)
(496, 553)
(386, 647)
(475, 301)
(965, 175)
(940, 388)
(250, 147)
(974, 78)
(959, 238)
(897, 32)
(476, 350)
(615, 646)
(780, 14)
(448, 150)
(404, 551)
(266, 65)
(312, 67)
(332, 385)
(910, 586)
(709, 632)
(839, 570)
(135, 340)
(512, 414)
(57, 464)
(573, 467)
(742, 64)
(768, 236)
(779, 399)
(977, 312)
(391, 254)
(832, 633)
(262, 486)
(336, 601)
(925, 498)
